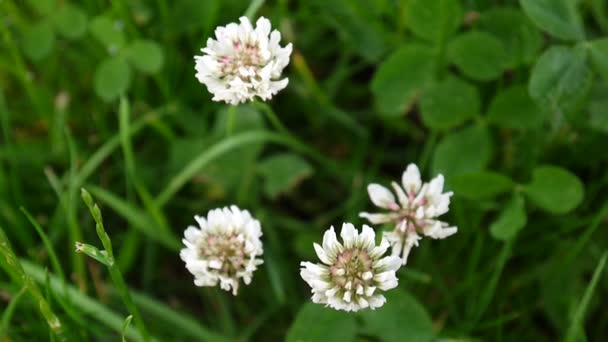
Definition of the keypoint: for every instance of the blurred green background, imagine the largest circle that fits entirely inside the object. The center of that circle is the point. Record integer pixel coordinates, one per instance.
(507, 99)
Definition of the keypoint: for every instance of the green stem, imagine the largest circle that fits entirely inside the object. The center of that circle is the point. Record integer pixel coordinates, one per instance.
(272, 117)
(230, 120)
(113, 268)
(253, 8)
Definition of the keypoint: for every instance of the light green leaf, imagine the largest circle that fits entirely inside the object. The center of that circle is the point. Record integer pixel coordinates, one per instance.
(468, 150)
(434, 20)
(555, 189)
(558, 17)
(449, 103)
(561, 79)
(521, 39)
(481, 185)
(599, 56)
(71, 21)
(402, 318)
(478, 55)
(282, 172)
(38, 40)
(511, 219)
(315, 322)
(43, 7)
(109, 32)
(112, 78)
(394, 94)
(513, 108)
(145, 55)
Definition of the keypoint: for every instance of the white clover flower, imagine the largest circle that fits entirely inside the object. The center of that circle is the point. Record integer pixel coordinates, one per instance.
(243, 62)
(225, 248)
(352, 274)
(415, 212)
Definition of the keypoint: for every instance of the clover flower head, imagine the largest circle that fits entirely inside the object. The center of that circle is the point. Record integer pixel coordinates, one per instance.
(414, 212)
(353, 273)
(224, 248)
(243, 62)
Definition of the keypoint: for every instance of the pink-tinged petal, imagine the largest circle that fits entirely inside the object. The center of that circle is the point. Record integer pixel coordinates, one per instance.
(381, 196)
(401, 196)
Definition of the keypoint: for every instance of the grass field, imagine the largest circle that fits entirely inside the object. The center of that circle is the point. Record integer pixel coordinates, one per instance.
(508, 100)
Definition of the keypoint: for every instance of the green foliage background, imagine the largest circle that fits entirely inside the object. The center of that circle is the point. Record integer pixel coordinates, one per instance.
(507, 99)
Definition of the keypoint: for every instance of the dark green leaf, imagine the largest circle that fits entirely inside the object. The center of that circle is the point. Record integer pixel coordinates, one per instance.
(561, 79)
(434, 20)
(478, 55)
(402, 318)
(449, 103)
(558, 17)
(108, 32)
(511, 220)
(315, 322)
(145, 55)
(481, 185)
(112, 78)
(38, 40)
(394, 92)
(282, 172)
(598, 107)
(71, 21)
(555, 189)
(520, 37)
(513, 108)
(465, 151)
(361, 28)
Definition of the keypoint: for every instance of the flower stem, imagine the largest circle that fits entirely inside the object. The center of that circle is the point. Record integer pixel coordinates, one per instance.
(272, 117)
(230, 120)
(253, 8)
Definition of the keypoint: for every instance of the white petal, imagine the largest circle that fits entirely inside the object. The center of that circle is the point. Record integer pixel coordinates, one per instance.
(349, 235)
(322, 254)
(367, 238)
(411, 179)
(376, 218)
(381, 196)
(330, 242)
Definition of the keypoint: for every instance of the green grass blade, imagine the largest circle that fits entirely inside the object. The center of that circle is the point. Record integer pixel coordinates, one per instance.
(9, 311)
(14, 268)
(74, 231)
(115, 273)
(136, 218)
(230, 143)
(183, 322)
(84, 303)
(127, 149)
(47, 244)
(110, 146)
(125, 326)
(578, 321)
